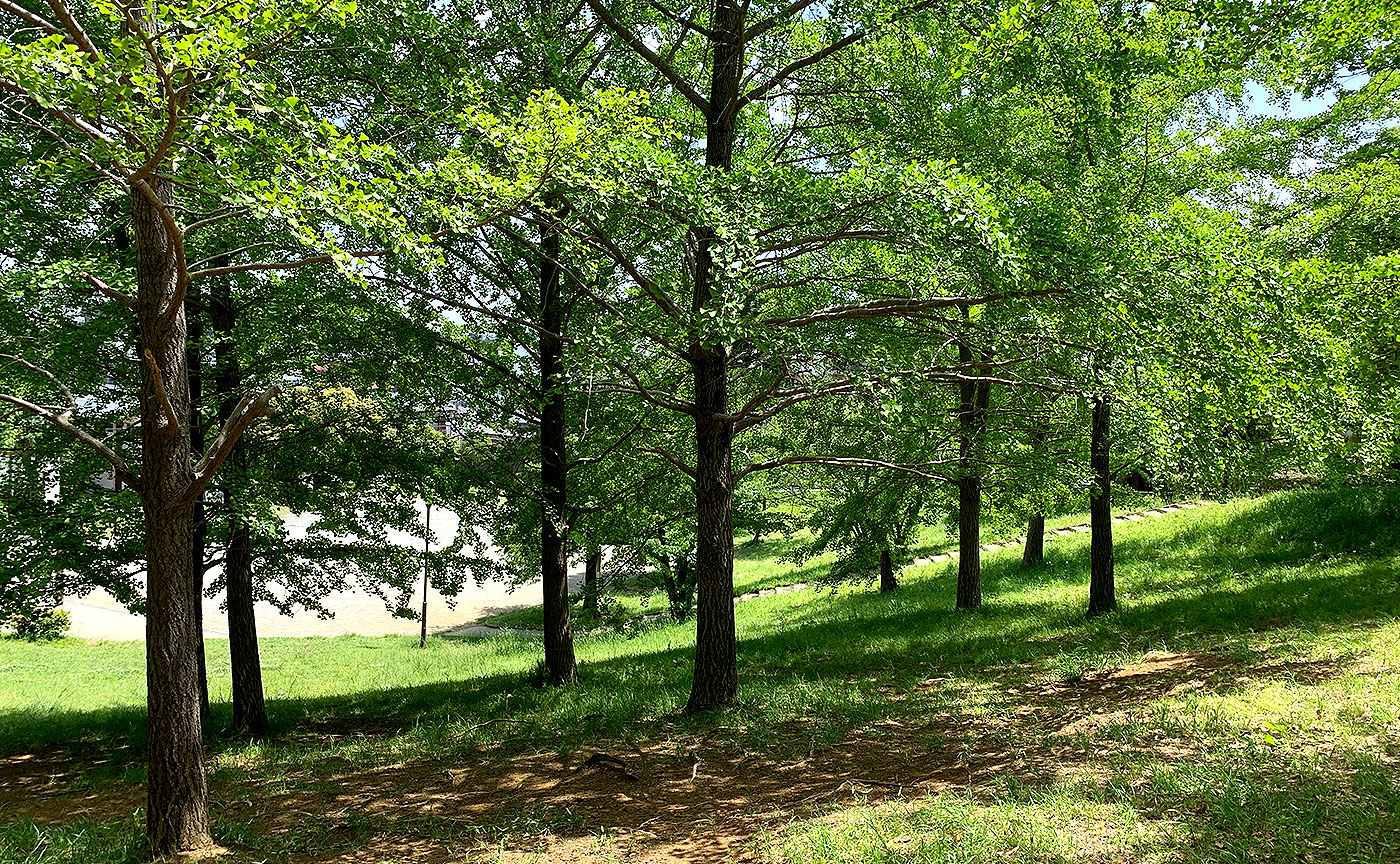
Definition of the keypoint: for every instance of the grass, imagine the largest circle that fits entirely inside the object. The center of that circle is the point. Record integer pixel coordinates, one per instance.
(1279, 746)
(766, 562)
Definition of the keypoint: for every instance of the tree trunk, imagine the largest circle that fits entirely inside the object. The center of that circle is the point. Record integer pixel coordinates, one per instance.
(177, 816)
(590, 580)
(194, 316)
(716, 678)
(887, 580)
(560, 665)
(1101, 594)
(245, 666)
(969, 543)
(1034, 551)
(973, 398)
(249, 706)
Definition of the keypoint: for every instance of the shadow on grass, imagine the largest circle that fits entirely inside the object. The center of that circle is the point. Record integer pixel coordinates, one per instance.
(1311, 559)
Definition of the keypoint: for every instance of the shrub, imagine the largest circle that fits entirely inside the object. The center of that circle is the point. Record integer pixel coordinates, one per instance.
(40, 625)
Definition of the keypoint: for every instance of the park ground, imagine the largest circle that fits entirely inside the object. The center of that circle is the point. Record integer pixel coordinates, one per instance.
(1243, 706)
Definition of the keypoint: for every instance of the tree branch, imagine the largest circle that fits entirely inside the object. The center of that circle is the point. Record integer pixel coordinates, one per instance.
(29, 17)
(847, 462)
(172, 424)
(895, 307)
(249, 408)
(637, 45)
(61, 421)
(111, 292)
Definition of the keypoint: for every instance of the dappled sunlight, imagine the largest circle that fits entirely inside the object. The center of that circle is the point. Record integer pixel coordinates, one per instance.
(1057, 734)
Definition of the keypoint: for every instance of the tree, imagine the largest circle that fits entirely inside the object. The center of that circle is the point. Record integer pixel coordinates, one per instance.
(160, 103)
(773, 211)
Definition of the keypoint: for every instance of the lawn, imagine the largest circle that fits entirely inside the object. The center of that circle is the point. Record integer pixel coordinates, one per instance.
(1244, 706)
(767, 562)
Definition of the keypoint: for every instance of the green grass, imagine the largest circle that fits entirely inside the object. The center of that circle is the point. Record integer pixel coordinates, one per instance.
(767, 563)
(1283, 749)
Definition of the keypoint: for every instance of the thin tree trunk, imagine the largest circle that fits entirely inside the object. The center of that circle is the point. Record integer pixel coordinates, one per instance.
(716, 678)
(1101, 593)
(887, 580)
(972, 427)
(678, 584)
(249, 705)
(195, 318)
(590, 580)
(245, 665)
(969, 543)
(1034, 551)
(177, 817)
(560, 665)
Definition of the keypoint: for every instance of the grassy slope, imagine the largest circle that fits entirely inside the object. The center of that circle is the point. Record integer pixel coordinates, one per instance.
(764, 563)
(1281, 766)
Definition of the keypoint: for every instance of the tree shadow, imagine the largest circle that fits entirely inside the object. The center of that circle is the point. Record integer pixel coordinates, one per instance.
(842, 664)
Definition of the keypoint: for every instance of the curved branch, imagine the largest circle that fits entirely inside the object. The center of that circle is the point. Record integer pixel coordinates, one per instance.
(61, 421)
(30, 18)
(172, 423)
(637, 45)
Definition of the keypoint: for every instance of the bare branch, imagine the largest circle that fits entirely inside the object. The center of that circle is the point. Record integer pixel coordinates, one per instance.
(172, 423)
(637, 45)
(249, 408)
(61, 421)
(777, 78)
(683, 21)
(849, 462)
(68, 394)
(29, 17)
(111, 292)
(782, 15)
(897, 306)
(75, 30)
(684, 468)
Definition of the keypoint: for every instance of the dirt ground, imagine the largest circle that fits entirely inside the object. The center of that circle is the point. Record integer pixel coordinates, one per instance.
(669, 801)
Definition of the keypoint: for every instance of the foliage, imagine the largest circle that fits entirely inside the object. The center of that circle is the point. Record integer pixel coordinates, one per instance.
(41, 625)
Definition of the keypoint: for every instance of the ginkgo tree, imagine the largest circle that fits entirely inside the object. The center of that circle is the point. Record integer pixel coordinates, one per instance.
(179, 108)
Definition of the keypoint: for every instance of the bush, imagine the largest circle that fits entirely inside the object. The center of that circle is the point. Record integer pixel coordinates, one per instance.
(40, 625)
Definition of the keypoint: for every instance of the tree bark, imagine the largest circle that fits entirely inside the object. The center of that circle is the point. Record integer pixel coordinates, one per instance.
(194, 317)
(1101, 592)
(249, 705)
(716, 679)
(973, 398)
(245, 665)
(590, 580)
(969, 542)
(1034, 551)
(1102, 597)
(177, 817)
(560, 665)
(887, 580)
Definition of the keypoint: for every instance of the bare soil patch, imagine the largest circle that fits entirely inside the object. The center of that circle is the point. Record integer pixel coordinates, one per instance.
(50, 786)
(671, 801)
